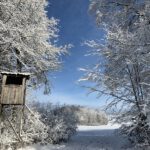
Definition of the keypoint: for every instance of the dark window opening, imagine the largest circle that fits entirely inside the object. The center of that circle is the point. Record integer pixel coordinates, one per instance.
(14, 80)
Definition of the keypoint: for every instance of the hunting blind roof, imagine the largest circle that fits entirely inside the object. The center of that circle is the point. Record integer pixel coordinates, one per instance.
(25, 74)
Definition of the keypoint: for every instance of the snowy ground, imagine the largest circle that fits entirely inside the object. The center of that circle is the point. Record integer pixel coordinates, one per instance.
(90, 138)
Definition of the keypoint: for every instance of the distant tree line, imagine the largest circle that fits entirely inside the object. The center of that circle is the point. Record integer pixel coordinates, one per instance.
(89, 116)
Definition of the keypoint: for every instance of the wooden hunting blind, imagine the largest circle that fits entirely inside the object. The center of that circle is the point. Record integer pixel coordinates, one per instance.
(13, 88)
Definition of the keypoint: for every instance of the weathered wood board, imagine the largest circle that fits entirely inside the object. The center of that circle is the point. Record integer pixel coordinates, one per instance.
(13, 89)
(12, 95)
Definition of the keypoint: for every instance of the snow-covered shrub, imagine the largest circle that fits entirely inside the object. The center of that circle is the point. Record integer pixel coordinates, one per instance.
(61, 121)
(138, 131)
(33, 130)
(46, 123)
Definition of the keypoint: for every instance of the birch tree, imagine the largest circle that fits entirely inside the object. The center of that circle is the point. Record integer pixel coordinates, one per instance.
(27, 39)
(123, 72)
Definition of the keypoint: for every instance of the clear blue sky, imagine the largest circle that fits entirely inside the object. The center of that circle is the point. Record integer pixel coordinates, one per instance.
(76, 26)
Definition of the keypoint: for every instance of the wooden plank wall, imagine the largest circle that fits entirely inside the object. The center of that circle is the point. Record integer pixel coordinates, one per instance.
(12, 95)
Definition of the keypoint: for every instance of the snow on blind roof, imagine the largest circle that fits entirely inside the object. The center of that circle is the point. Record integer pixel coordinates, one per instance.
(16, 73)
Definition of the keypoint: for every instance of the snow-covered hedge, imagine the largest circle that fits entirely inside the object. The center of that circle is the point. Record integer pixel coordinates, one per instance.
(138, 131)
(45, 123)
(33, 129)
(60, 120)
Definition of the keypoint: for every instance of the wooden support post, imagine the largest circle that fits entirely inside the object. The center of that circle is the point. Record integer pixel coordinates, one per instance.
(21, 120)
(3, 83)
(0, 110)
(1, 115)
(1, 125)
(29, 110)
(23, 106)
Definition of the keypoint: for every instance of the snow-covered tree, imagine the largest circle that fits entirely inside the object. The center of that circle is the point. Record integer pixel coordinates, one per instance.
(123, 71)
(27, 38)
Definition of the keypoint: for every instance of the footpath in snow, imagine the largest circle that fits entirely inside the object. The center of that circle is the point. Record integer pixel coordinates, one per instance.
(90, 138)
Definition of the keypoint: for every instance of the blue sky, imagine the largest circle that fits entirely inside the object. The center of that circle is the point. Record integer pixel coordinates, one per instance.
(76, 26)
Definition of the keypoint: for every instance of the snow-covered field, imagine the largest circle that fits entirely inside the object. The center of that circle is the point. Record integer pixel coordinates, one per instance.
(90, 138)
